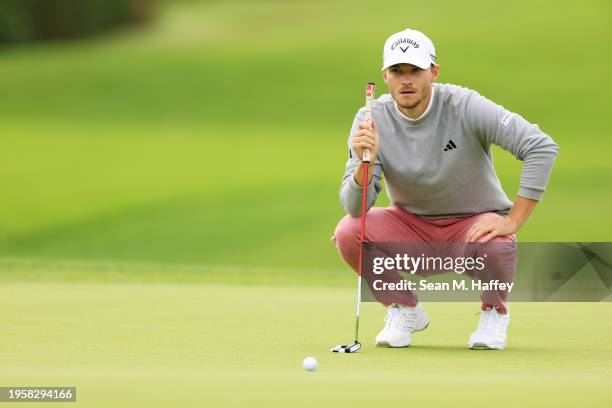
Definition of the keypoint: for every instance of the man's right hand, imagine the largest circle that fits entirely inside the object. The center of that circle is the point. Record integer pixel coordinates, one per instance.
(366, 138)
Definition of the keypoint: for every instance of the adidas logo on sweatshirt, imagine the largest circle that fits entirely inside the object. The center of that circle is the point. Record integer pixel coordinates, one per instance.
(450, 146)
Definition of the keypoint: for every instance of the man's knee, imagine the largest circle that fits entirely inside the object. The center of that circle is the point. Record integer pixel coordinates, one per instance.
(346, 235)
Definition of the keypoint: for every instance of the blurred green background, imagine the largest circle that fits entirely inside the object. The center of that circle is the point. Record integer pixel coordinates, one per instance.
(207, 146)
(217, 134)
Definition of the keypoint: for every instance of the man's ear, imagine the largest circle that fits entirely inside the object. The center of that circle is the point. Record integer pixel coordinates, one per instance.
(435, 71)
(385, 77)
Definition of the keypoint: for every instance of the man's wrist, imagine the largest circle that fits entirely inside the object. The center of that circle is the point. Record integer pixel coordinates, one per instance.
(360, 169)
(514, 224)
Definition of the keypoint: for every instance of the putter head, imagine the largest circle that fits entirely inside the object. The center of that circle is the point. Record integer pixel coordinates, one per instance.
(346, 348)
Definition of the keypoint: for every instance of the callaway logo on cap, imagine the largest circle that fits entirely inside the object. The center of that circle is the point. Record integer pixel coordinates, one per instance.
(409, 47)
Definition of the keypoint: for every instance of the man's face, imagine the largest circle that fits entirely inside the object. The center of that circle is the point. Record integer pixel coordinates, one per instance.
(410, 85)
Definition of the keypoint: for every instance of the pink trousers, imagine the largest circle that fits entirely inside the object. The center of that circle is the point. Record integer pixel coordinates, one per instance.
(395, 224)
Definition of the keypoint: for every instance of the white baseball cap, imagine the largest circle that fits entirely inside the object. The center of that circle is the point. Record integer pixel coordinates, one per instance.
(409, 47)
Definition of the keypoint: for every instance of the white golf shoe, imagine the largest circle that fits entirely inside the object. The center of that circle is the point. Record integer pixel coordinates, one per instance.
(400, 322)
(491, 331)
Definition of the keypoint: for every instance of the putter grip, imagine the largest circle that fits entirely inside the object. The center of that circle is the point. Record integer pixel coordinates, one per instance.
(366, 156)
(368, 115)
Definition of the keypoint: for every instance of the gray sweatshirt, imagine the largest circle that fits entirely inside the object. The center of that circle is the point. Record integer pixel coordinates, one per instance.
(440, 165)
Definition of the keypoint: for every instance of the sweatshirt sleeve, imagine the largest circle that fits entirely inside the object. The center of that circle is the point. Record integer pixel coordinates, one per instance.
(350, 191)
(496, 125)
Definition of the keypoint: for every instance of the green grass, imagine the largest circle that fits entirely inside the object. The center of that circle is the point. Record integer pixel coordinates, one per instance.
(168, 195)
(135, 344)
(189, 140)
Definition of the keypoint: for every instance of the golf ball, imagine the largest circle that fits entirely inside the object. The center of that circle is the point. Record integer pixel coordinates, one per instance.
(310, 364)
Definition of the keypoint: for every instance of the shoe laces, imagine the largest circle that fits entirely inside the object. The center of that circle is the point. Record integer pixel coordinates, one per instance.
(489, 321)
(400, 318)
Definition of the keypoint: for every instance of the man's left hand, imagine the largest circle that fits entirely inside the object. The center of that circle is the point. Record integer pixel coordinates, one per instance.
(491, 226)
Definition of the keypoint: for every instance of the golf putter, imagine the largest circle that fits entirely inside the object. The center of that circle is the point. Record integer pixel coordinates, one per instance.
(354, 347)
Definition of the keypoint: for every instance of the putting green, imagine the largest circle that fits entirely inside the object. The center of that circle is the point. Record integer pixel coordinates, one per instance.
(139, 146)
(170, 344)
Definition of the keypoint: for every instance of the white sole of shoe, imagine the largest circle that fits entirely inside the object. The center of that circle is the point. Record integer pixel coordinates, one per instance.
(386, 344)
(484, 346)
